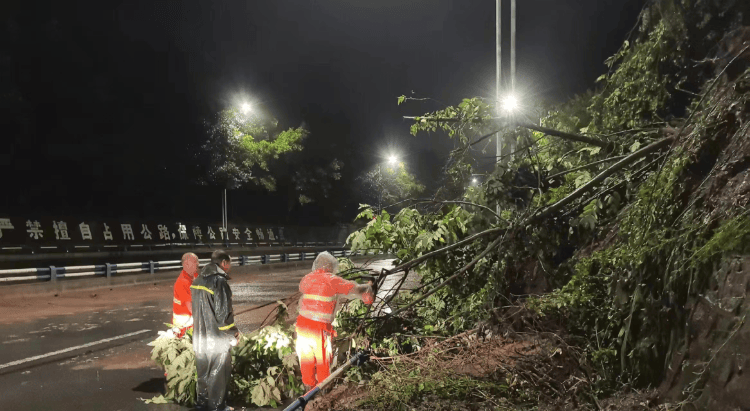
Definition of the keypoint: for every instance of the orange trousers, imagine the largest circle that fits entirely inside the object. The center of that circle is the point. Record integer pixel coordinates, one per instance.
(314, 349)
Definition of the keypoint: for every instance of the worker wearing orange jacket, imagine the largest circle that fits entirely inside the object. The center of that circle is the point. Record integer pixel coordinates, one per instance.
(182, 307)
(317, 306)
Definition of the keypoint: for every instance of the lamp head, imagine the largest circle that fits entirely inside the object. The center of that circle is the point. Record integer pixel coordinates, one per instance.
(510, 103)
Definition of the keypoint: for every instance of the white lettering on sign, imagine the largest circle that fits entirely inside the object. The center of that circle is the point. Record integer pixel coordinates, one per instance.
(197, 233)
(236, 233)
(5, 225)
(127, 232)
(61, 230)
(270, 235)
(107, 233)
(183, 231)
(85, 231)
(145, 231)
(211, 233)
(35, 229)
(163, 232)
(259, 233)
(223, 231)
(249, 234)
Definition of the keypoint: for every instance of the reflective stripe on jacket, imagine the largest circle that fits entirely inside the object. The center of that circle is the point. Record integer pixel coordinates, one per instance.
(213, 316)
(320, 290)
(182, 294)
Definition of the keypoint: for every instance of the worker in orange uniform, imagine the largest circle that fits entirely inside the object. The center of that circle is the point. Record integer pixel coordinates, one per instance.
(182, 307)
(317, 306)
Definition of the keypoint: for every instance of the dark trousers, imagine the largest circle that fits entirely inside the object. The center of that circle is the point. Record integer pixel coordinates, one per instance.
(214, 371)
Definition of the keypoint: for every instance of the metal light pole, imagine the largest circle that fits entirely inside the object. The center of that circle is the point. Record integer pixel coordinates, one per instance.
(380, 186)
(498, 71)
(513, 141)
(391, 160)
(513, 47)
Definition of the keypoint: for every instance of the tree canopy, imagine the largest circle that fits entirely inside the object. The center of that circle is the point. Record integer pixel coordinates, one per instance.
(389, 183)
(240, 148)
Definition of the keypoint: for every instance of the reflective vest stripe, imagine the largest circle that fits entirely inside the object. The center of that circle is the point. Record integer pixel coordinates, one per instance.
(182, 321)
(326, 318)
(319, 297)
(226, 327)
(176, 301)
(200, 287)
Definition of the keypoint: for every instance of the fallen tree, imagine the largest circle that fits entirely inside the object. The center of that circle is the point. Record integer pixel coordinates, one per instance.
(625, 250)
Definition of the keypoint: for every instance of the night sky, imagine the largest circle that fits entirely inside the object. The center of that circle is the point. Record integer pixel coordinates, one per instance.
(103, 104)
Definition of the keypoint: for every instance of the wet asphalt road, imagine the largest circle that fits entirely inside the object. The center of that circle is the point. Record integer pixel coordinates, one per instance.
(110, 375)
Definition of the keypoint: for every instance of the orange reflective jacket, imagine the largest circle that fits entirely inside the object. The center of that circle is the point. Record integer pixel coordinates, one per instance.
(320, 290)
(182, 294)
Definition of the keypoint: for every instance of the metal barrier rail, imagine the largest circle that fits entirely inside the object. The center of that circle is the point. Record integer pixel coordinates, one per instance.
(53, 273)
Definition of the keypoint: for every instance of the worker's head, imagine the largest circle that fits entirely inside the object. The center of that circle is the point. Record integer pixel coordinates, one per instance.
(326, 262)
(190, 263)
(222, 259)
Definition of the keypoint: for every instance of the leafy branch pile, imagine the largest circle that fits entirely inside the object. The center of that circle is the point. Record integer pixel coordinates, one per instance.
(263, 366)
(616, 209)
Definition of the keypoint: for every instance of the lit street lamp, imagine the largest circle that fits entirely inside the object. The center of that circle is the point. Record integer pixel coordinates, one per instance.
(245, 108)
(510, 104)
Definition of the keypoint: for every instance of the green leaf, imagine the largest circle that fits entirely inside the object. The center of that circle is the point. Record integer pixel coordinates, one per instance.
(157, 400)
(401, 99)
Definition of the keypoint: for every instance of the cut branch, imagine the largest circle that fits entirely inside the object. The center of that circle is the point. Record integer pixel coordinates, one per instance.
(601, 176)
(568, 136)
(431, 254)
(606, 160)
(433, 201)
(548, 131)
(486, 136)
(449, 279)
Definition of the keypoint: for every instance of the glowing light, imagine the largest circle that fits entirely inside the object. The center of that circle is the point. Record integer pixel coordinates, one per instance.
(510, 103)
(246, 108)
(474, 180)
(392, 159)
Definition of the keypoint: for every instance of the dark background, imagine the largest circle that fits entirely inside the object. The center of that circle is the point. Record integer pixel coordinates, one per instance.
(103, 102)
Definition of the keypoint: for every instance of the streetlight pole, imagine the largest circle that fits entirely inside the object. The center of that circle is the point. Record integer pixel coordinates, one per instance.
(392, 160)
(513, 141)
(498, 72)
(513, 47)
(380, 186)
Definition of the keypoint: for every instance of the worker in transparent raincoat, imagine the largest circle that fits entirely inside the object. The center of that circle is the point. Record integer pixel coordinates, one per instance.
(214, 332)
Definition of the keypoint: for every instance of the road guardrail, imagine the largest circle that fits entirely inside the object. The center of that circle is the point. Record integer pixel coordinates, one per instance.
(53, 273)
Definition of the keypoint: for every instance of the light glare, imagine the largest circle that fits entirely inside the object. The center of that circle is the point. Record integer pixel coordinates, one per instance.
(392, 159)
(245, 108)
(510, 103)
